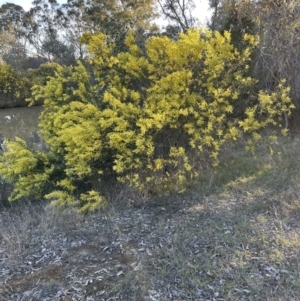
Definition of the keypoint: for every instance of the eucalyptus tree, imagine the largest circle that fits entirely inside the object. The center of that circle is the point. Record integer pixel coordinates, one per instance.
(47, 32)
(179, 13)
(15, 26)
(111, 17)
(53, 31)
(13, 18)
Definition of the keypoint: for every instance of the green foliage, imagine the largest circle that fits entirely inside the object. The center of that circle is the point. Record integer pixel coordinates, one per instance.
(235, 16)
(41, 75)
(12, 83)
(149, 116)
(28, 170)
(276, 23)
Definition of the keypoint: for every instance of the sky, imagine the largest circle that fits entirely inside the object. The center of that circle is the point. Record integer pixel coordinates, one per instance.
(201, 12)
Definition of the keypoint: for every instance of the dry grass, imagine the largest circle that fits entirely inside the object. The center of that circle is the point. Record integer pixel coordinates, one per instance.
(234, 235)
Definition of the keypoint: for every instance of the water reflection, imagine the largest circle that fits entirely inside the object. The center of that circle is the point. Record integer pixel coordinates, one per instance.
(20, 122)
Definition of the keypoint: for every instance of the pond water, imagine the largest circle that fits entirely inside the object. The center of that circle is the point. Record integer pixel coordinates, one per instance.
(20, 122)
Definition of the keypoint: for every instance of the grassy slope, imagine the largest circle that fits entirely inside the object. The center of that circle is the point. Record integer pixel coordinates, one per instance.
(234, 235)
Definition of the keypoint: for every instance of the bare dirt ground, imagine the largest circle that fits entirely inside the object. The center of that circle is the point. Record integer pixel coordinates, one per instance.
(231, 236)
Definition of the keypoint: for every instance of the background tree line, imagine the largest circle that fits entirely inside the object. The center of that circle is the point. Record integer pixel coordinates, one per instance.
(50, 32)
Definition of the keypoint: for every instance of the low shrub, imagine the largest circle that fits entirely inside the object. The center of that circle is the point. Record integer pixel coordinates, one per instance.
(145, 116)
